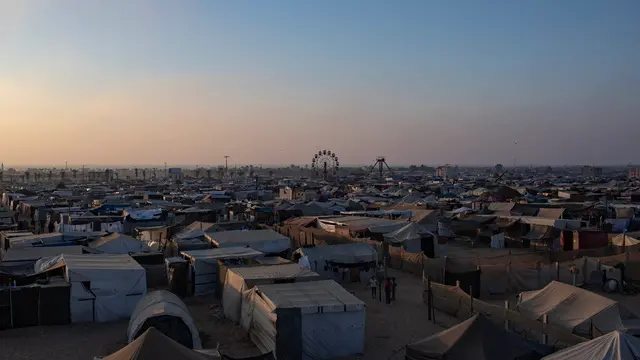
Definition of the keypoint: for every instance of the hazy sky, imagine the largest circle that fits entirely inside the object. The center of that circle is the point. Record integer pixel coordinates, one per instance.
(272, 82)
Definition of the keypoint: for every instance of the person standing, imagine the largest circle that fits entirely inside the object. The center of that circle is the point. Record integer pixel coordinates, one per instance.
(394, 285)
(373, 284)
(387, 291)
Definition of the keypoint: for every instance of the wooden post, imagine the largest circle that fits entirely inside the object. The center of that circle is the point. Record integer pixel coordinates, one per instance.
(444, 271)
(506, 315)
(429, 304)
(545, 321)
(557, 271)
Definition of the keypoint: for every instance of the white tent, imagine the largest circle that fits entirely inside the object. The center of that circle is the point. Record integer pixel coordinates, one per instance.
(204, 265)
(324, 259)
(571, 307)
(240, 279)
(612, 346)
(104, 287)
(119, 244)
(409, 236)
(323, 317)
(168, 314)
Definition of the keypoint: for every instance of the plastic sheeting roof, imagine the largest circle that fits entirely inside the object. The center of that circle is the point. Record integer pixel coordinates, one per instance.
(119, 244)
(612, 346)
(35, 253)
(476, 338)
(266, 240)
(89, 262)
(551, 213)
(222, 253)
(409, 232)
(312, 296)
(568, 306)
(282, 271)
(353, 253)
(161, 303)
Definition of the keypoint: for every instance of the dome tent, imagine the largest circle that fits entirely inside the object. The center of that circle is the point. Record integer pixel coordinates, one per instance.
(168, 314)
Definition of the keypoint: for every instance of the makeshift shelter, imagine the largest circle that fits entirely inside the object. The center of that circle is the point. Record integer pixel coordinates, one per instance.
(104, 287)
(119, 244)
(154, 345)
(192, 237)
(624, 240)
(572, 308)
(308, 320)
(612, 346)
(332, 261)
(30, 254)
(265, 240)
(166, 313)
(240, 279)
(476, 338)
(204, 267)
(409, 237)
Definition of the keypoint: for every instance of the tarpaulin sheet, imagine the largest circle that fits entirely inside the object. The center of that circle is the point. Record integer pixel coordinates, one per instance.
(612, 346)
(570, 307)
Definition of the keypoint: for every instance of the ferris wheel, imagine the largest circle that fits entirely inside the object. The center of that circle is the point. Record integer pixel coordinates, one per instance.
(325, 163)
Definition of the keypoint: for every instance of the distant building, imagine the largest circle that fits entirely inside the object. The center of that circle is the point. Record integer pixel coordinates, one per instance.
(289, 193)
(591, 171)
(447, 171)
(634, 173)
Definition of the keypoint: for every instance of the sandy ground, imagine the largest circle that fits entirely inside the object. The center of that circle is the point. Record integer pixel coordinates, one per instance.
(388, 329)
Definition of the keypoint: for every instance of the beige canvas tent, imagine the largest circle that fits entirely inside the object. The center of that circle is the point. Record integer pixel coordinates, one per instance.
(477, 338)
(571, 307)
(612, 346)
(153, 345)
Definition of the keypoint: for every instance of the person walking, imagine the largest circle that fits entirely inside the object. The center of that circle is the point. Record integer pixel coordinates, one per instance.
(387, 291)
(373, 284)
(394, 285)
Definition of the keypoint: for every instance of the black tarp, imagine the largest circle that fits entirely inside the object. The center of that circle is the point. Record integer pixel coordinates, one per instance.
(35, 305)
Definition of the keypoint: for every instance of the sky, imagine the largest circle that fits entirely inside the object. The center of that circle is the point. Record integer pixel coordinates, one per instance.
(272, 82)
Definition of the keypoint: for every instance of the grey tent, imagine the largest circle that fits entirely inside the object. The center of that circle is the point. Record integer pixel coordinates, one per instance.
(477, 338)
(168, 314)
(612, 346)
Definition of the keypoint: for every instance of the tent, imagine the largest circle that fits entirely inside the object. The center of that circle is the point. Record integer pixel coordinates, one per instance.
(571, 307)
(240, 279)
(165, 312)
(204, 265)
(119, 244)
(409, 236)
(624, 240)
(328, 260)
(307, 320)
(104, 287)
(475, 338)
(265, 240)
(612, 346)
(153, 345)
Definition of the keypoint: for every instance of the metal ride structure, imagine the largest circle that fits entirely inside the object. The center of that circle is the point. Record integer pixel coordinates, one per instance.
(325, 162)
(381, 163)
